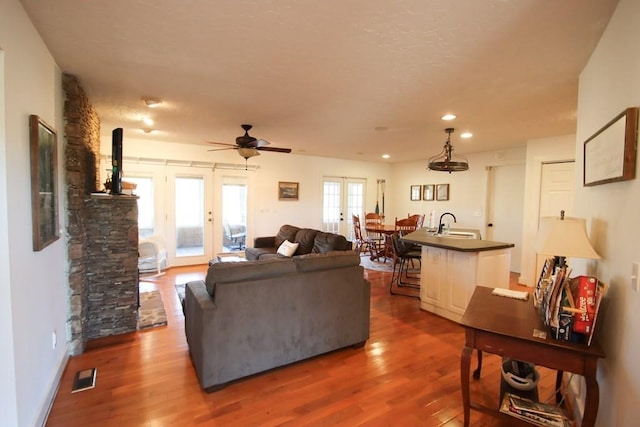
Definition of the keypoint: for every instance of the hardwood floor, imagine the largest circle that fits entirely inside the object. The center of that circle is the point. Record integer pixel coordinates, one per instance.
(408, 374)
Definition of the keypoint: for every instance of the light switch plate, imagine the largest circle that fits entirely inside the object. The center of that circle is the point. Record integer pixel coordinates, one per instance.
(635, 282)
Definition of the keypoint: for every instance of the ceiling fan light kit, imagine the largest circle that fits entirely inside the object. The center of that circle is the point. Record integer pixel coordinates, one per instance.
(445, 161)
(247, 153)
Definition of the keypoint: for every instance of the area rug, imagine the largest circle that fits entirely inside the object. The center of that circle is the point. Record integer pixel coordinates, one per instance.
(376, 265)
(151, 312)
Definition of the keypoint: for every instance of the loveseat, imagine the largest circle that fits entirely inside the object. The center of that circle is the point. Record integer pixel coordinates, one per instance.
(249, 317)
(309, 240)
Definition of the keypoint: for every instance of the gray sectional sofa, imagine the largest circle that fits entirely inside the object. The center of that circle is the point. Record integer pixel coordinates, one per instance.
(309, 240)
(249, 317)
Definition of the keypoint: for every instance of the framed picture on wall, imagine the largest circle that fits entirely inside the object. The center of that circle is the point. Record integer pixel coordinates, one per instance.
(442, 192)
(288, 190)
(428, 192)
(610, 154)
(44, 190)
(415, 192)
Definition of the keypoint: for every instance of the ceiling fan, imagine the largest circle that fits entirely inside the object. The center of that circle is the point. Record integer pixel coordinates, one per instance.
(249, 146)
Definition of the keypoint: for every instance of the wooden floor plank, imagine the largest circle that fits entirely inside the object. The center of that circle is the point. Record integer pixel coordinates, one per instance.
(408, 373)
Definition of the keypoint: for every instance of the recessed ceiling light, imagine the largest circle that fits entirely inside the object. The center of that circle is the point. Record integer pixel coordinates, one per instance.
(151, 102)
(147, 121)
(385, 156)
(466, 135)
(448, 117)
(148, 130)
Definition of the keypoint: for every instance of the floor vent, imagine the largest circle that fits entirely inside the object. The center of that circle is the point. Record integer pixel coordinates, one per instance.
(84, 380)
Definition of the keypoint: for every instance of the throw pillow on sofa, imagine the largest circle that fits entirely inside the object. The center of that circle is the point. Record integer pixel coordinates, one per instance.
(287, 248)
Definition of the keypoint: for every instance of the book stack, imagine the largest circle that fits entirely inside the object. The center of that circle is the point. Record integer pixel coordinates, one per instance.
(536, 413)
(569, 306)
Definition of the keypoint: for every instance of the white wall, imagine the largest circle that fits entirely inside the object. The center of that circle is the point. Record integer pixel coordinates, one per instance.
(32, 282)
(610, 83)
(467, 190)
(269, 213)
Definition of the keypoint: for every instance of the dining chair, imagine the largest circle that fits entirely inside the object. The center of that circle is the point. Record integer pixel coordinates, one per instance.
(404, 257)
(360, 242)
(418, 218)
(407, 224)
(375, 219)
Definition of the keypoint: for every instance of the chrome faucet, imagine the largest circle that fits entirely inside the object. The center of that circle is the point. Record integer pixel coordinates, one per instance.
(441, 225)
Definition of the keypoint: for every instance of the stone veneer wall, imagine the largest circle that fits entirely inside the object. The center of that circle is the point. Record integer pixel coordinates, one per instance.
(82, 149)
(112, 248)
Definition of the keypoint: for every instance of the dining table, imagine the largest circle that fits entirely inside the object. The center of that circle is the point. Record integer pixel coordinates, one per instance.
(383, 229)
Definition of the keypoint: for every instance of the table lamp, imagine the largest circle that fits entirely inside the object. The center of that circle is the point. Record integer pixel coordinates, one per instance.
(564, 237)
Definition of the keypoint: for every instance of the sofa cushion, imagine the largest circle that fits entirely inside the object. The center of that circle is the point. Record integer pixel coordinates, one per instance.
(227, 272)
(326, 260)
(326, 242)
(287, 248)
(305, 237)
(286, 232)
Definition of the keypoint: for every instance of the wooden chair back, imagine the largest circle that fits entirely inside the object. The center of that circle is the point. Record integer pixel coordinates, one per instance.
(419, 218)
(407, 225)
(357, 229)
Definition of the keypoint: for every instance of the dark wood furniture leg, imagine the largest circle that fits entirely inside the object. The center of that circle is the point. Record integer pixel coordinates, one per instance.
(593, 392)
(476, 373)
(465, 367)
(559, 386)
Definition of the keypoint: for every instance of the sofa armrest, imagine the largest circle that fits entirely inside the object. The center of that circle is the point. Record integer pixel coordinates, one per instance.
(264, 242)
(198, 315)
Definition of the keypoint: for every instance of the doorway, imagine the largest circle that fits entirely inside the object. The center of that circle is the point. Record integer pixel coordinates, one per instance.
(505, 208)
(556, 194)
(342, 198)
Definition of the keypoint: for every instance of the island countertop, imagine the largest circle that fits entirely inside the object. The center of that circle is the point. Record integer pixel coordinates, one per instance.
(426, 238)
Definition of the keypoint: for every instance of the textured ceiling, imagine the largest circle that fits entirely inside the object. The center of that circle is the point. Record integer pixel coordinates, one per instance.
(320, 76)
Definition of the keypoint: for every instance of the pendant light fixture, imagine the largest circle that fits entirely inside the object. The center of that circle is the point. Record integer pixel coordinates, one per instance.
(445, 160)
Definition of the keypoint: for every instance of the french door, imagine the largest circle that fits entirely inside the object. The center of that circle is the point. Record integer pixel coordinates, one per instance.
(175, 206)
(232, 210)
(342, 198)
(189, 215)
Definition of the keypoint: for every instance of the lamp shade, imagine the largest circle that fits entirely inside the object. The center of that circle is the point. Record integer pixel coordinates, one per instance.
(564, 237)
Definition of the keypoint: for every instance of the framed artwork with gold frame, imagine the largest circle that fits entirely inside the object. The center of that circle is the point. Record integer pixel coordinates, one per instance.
(288, 190)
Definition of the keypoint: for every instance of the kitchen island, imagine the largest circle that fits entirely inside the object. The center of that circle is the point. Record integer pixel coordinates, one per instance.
(453, 265)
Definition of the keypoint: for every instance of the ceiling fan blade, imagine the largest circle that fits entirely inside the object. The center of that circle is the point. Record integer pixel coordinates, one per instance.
(276, 149)
(223, 149)
(261, 143)
(222, 143)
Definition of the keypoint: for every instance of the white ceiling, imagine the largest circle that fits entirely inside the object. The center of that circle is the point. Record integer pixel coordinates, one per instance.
(320, 76)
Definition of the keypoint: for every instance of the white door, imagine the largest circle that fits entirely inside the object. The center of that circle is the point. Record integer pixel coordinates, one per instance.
(556, 194)
(189, 215)
(342, 198)
(505, 208)
(233, 205)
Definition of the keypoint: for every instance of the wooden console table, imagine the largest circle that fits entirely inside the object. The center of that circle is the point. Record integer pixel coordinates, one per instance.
(505, 326)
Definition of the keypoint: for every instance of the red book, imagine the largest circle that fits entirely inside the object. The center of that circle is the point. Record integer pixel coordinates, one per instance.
(585, 299)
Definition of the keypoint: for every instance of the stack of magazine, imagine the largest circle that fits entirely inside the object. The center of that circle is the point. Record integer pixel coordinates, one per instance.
(536, 413)
(569, 306)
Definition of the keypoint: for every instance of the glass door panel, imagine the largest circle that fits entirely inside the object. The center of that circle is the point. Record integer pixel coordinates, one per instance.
(189, 240)
(234, 214)
(189, 216)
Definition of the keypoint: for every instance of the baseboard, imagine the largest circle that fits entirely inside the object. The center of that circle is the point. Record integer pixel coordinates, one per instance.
(47, 403)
